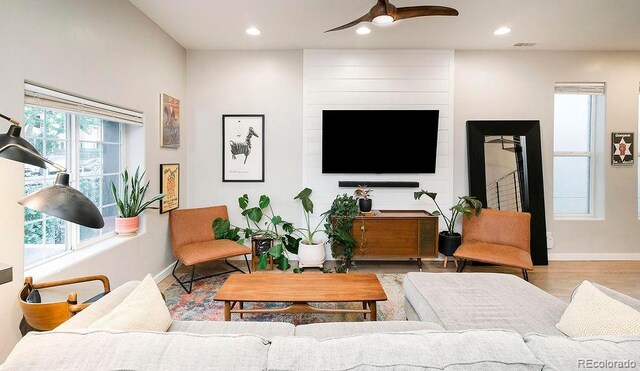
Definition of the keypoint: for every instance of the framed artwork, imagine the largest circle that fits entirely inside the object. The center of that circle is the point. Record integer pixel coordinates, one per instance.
(622, 148)
(170, 185)
(170, 121)
(243, 148)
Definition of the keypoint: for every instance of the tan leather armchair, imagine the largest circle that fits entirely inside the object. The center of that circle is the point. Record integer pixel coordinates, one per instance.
(193, 241)
(498, 237)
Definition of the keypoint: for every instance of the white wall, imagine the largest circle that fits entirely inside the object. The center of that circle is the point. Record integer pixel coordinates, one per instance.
(245, 82)
(520, 86)
(378, 79)
(106, 50)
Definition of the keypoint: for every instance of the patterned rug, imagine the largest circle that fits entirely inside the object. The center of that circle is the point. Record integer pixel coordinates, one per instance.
(200, 306)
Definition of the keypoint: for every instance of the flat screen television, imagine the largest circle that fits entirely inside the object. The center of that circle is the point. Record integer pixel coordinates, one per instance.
(379, 141)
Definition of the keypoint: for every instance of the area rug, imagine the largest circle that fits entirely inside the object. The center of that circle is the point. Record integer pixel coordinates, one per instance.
(200, 306)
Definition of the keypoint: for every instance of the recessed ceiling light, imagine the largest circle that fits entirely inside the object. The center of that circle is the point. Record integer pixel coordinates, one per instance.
(383, 19)
(502, 31)
(253, 31)
(364, 30)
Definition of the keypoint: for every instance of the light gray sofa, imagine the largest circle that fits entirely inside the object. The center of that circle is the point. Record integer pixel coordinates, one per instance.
(442, 335)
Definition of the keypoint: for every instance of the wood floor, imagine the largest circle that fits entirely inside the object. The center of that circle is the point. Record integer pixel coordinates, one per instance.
(558, 278)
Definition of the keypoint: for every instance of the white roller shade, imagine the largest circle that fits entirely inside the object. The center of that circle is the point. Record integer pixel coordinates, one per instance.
(591, 88)
(39, 96)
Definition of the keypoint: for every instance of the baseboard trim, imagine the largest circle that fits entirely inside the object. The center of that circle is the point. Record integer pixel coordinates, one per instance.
(598, 256)
(163, 273)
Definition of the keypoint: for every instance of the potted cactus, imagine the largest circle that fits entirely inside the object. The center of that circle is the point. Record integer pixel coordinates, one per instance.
(131, 203)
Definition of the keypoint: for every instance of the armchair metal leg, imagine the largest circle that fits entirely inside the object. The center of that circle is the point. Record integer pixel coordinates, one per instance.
(193, 270)
(461, 266)
(525, 275)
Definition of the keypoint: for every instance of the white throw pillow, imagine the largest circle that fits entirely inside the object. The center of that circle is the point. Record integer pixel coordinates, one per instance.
(144, 310)
(593, 313)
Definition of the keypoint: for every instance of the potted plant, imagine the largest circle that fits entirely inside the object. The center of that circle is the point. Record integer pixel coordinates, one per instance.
(338, 224)
(364, 201)
(270, 233)
(449, 240)
(311, 252)
(131, 203)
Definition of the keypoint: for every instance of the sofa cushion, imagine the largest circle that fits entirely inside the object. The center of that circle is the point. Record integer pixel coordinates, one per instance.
(462, 301)
(265, 329)
(143, 309)
(477, 350)
(562, 353)
(592, 313)
(117, 350)
(337, 329)
(99, 309)
(625, 299)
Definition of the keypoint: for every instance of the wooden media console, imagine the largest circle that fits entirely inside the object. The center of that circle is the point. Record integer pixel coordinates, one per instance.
(396, 234)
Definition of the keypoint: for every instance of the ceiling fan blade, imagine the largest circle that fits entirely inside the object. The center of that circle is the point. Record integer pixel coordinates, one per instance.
(422, 11)
(365, 18)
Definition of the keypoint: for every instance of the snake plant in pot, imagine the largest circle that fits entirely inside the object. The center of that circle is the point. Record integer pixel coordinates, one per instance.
(449, 240)
(131, 203)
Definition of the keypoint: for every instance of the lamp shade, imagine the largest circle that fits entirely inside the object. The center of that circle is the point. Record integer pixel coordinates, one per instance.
(15, 153)
(67, 203)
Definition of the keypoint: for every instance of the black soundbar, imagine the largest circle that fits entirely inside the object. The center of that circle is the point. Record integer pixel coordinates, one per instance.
(377, 184)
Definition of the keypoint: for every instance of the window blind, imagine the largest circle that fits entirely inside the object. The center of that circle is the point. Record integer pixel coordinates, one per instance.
(39, 96)
(591, 88)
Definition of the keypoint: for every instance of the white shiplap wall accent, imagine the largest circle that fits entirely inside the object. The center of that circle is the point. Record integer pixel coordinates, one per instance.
(378, 79)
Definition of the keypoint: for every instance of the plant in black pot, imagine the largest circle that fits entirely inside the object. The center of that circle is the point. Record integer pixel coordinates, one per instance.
(364, 200)
(449, 240)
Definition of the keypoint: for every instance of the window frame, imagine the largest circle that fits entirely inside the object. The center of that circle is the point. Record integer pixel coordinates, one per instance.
(72, 231)
(593, 161)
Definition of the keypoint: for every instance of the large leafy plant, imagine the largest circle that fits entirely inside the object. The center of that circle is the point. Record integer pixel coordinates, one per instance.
(263, 222)
(132, 203)
(466, 205)
(339, 222)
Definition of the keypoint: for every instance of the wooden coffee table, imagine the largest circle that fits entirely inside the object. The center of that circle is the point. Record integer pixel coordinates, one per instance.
(300, 289)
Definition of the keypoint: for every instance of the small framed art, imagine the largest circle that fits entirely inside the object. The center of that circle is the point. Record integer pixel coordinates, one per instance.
(243, 148)
(170, 121)
(622, 148)
(169, 185)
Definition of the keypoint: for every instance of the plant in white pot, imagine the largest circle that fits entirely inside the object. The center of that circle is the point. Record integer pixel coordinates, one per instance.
(311, 251)
(131, 203)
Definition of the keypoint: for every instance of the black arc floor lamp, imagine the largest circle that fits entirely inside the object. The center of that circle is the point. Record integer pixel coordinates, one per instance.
(59, 200)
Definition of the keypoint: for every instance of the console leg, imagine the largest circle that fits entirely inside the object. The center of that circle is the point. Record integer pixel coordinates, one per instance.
(446, 260)
(420, 264)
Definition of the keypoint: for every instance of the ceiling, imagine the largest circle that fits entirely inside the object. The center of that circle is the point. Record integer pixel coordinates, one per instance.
(300, 24)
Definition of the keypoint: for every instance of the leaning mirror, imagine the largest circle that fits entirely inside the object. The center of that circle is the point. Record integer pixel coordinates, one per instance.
(505, 173)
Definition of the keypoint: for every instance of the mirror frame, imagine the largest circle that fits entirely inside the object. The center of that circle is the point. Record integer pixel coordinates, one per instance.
(534, 198)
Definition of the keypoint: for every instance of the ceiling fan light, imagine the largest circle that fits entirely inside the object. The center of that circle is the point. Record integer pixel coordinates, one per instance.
(383, 19)
(364, 30)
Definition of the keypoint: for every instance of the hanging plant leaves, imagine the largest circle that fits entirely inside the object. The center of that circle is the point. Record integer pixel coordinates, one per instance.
(263, 260)
(291, 243)
(282, 262)
(255, 214)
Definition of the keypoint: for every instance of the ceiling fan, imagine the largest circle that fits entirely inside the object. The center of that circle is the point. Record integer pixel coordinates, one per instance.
(386, 13)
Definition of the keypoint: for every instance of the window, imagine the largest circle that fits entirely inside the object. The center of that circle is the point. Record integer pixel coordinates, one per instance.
(90, 145)
(578, 118)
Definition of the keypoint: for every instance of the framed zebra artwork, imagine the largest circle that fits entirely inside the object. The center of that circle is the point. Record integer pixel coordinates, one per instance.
(243, 148)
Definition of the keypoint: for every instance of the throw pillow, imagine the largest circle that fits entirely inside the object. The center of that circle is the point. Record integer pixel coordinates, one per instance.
(592, 313)
(143, 310)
